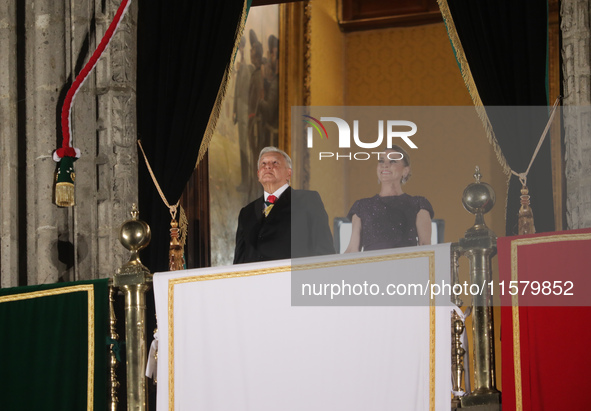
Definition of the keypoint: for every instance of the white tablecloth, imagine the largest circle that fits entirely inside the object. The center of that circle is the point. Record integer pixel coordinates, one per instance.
(230, 339)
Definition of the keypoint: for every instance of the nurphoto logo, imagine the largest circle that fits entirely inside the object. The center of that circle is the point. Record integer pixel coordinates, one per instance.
(393, 129)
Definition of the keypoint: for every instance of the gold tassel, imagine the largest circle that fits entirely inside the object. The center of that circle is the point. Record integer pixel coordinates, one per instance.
(64, 194)
(175, 254)
(526, 215)
(64, 182)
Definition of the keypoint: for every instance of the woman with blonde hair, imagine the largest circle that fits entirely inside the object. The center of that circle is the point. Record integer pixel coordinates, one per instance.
(391, 218)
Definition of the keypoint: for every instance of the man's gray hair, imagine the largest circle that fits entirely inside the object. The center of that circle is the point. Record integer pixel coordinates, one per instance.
(272, 149)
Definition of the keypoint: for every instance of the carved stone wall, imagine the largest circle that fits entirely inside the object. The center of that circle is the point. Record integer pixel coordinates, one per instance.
(45, 61)
(8, 146)
(115, 163)
(50, 40)
(576, 69)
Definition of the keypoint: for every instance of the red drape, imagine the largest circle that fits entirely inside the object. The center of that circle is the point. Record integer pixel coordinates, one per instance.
(552, 337)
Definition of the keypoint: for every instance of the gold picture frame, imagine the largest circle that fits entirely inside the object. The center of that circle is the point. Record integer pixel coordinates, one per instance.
(295, 39)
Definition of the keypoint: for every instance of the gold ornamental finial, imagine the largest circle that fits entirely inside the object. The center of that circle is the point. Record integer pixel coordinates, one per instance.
(478, 198)
(134, 212)
(135, 235)
(477, 175)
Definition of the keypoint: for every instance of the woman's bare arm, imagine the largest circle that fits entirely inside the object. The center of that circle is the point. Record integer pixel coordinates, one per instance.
(355, 242)
(424, 227)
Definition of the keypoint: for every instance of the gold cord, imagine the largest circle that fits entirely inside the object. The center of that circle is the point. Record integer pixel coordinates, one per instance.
(184, 226)
(523, 176)
(173, 208)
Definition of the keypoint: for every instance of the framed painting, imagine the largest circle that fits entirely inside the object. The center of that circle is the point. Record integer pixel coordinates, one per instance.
(269, 76)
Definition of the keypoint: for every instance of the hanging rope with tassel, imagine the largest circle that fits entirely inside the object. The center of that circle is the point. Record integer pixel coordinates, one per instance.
(67, 154)
(178, 235)
(525, 223)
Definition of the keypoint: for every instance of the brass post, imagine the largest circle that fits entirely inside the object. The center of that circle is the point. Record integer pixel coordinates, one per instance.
(134, 279)
(457, 328)
(479, 245)
(457, 358)
(113, 358)
(456, 252)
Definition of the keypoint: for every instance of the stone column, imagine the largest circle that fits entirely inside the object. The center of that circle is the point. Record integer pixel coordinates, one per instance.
(9, 212)
(577, 112)
(116, 161)
(104, 126)
(58, 38)
(45, 71)
(103, 122)
(80, 228)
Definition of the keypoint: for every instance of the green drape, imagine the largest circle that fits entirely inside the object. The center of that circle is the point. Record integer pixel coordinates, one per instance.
(53, 351)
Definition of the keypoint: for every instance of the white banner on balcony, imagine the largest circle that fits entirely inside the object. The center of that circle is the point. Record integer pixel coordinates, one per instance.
(230, 338)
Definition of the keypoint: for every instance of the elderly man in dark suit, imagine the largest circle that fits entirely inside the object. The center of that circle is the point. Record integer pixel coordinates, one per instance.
(283, 223)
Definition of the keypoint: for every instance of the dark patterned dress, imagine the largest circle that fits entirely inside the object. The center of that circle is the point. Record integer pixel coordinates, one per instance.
(389, 222)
